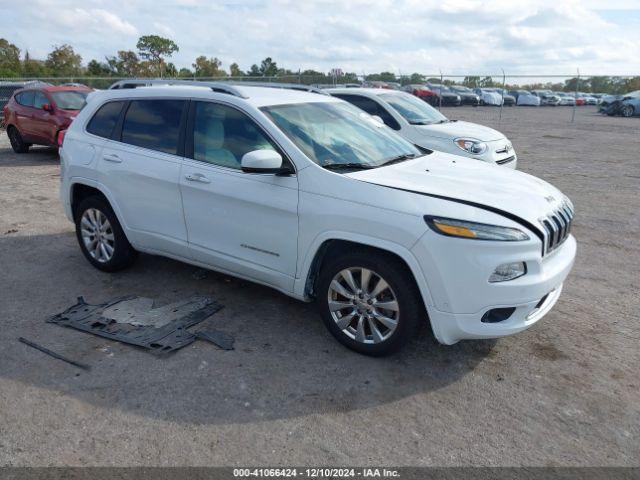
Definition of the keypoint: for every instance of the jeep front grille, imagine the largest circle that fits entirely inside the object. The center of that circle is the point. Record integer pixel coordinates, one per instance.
(557, 227)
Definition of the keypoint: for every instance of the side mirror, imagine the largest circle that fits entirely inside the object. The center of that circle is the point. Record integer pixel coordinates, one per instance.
(263, 161)
(47, 107)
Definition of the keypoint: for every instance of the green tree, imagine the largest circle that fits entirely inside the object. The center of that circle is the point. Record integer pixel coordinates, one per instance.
(185, 73)
(63, 61)
(208, 67)
(9, 59)
(33, 68)
(155, 49)
(268, 68)
(382, 77)
(487, 82)
(98, 69)
(254, 71)
(471, 82)
(171, 70)
(350, 77)
(416, 78)
(125, 64)
(234, 70)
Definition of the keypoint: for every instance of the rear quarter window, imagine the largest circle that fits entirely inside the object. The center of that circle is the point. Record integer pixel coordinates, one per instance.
(104, 120)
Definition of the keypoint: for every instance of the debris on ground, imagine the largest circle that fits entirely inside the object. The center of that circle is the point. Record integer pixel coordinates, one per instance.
(53, 354)
(218, 338)
(10, 231)
(135, 320)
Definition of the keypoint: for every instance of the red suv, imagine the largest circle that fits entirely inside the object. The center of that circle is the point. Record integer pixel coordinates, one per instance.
(38, 115)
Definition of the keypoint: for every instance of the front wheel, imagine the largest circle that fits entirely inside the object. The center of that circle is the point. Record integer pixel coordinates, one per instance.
(627, 111)
(369, 302)
(100, 236)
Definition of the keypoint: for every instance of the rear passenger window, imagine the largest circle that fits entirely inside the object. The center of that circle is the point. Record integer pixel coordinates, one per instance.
(222, 135)
(40, 100)
(25, 98)
(105, 119)
(153, 124)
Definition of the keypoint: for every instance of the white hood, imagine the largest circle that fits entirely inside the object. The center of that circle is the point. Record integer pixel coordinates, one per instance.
(451, 130)
(466, 179)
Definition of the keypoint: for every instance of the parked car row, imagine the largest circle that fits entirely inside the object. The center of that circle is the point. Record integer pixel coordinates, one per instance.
(455, 95)
(305, 193)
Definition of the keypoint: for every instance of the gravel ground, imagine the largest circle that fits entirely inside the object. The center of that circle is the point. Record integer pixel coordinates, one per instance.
(566, 392)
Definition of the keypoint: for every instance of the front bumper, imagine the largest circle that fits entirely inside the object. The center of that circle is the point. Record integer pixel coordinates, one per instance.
(457, 276)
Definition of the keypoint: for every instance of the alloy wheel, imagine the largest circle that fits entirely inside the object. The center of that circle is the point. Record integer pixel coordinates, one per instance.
(97, 235)
(363, 305)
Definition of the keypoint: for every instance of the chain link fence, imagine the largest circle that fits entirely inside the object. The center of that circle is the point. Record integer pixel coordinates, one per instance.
(495, 99)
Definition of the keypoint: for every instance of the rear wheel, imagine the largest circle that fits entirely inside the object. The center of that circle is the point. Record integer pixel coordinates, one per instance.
(17, 143)
(371, 305)
(100, 236)
(627, 110)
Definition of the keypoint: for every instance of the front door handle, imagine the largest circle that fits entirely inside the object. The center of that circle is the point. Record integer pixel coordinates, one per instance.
(112, 157)
(197, 177)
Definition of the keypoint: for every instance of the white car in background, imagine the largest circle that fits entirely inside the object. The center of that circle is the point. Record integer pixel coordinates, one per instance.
(299, 192)
(566, 100)
(426, 127)
(525, 98)
(488, 97)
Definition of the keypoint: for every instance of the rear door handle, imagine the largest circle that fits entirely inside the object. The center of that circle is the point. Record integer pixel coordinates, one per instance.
(112, 157)
(197, 177)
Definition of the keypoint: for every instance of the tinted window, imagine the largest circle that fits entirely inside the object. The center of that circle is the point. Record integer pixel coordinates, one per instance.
(372, 108)
(25, 98)
(105, 119)
(153, 124)
(222, 135)
(39, 100)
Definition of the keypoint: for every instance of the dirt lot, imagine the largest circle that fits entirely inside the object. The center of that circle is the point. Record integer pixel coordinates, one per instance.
(566, 392)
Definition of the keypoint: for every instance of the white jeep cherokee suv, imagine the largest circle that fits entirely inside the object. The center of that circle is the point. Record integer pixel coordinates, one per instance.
(298, 191)
(423, 125)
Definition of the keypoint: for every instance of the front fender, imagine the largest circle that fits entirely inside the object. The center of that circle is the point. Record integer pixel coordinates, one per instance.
(399, 250)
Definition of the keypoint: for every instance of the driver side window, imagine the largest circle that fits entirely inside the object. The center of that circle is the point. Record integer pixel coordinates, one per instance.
(222, 135)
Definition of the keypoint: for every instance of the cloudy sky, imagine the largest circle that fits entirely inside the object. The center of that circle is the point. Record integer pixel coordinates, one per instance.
(454, 36)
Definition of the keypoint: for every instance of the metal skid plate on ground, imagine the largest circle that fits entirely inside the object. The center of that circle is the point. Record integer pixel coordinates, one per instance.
(133, 320)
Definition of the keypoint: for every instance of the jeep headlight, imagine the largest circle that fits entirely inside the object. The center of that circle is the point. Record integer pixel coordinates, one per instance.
(475, 231)
(471, 145)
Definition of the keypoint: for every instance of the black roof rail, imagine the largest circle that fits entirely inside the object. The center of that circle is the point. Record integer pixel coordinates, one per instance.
(220, 87)
(290, 86)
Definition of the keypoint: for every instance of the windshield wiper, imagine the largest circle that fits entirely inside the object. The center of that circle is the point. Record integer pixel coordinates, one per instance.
(399, 158)
(348, 166)
(421, 122)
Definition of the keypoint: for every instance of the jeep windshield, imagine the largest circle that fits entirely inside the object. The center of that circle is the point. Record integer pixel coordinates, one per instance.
(414, 110)
(336, 135)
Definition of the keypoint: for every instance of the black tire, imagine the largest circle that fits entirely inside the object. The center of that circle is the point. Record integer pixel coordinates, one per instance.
(627, 110)
(17, 143)
(123, 253)
(411, 312)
